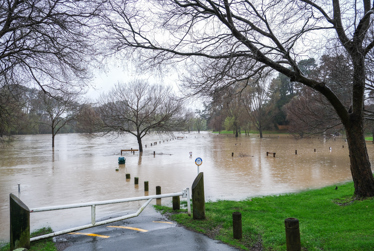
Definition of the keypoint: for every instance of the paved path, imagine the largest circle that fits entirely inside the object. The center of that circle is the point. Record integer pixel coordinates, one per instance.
(149, 231)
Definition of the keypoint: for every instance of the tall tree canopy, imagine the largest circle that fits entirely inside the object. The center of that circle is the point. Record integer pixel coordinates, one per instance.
(228, 41)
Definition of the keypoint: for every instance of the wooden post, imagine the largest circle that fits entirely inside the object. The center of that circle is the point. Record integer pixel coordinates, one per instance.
(145, 186)
(232, 154)
(198, 198)
(315, 150)
(295, 152)
(342, 146)
(292, 234)
(127, 176)
(19, 223)
(176, 203)
(274, 155)
(237, 225)
(267, 154)
(136, 180)
(158, 191)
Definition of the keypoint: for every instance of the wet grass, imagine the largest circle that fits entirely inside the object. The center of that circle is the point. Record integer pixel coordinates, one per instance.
(329, 220)
(41, 245)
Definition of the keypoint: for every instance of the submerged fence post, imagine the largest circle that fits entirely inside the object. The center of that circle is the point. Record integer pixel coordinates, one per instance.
(292, 234)
(19, 223)
(145, 186)
(198, 198)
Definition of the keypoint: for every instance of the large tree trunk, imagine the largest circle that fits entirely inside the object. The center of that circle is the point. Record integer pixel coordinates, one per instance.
(360, 165)
(140, 143)
(260, 128)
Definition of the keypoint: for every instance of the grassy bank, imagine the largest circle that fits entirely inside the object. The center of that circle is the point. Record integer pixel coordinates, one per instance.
(41, 245)
(329, 220)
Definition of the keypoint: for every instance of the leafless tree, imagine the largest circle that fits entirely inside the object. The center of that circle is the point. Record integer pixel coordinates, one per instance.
(139, 108)
(228, 41)
(47, 43)
(58, 110)
(189, 116)
(254, 99)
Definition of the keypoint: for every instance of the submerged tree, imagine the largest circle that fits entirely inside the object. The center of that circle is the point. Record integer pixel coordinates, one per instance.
(58, 110)
(139, 108)
(226, 41)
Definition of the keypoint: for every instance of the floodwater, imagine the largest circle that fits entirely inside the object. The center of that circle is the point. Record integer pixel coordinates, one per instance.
(83, 169)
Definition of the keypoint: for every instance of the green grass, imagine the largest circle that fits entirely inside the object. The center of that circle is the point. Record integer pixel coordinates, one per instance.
(41, 245)
(369, 138)
(329, 220)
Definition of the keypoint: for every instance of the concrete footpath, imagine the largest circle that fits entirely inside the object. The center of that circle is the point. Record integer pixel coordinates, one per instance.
(149, 231)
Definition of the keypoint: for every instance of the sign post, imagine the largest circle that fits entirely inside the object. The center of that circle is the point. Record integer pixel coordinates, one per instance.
(198, 162)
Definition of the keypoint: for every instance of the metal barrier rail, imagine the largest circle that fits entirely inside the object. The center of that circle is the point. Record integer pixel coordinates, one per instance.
(185, 194)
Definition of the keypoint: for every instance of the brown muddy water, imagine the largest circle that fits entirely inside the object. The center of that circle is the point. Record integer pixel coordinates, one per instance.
(83, 169)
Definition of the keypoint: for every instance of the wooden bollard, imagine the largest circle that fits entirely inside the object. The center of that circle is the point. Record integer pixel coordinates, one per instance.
(237, 225)
(136, 180)
(274, 155)
(295, 152)
(19, 223)
(267, 154)
(176, 203)
(292, 234)
(158, 191)
(198, 197)
(151, 144)
(343, 146)
(232, 154)
(127, 176)
(315, 150)
(145, 186)
(154, 153)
